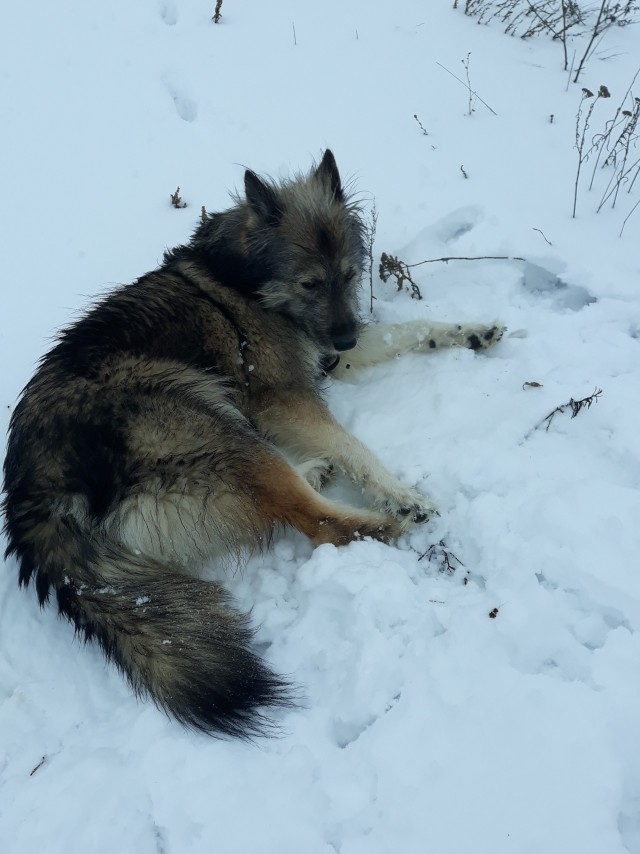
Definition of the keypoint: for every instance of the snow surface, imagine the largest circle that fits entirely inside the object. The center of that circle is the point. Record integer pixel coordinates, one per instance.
(427, 726)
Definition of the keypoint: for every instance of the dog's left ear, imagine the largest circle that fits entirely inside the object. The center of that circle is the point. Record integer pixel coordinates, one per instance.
(328, 171)
(262, 199)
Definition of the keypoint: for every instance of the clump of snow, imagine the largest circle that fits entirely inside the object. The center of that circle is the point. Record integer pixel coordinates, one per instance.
(427, 724)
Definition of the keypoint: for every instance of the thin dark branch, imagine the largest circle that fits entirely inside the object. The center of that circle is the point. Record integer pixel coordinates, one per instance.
(473, 92)
(594, 36)
(468, 258)
(576, 406)
(628, 215)
(439, 553)
(543, 235)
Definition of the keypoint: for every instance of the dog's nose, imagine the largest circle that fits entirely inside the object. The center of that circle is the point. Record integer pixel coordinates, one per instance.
(345, 344)
(344, 338)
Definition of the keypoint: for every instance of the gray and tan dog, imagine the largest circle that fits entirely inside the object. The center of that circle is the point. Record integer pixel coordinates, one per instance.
(153, 436)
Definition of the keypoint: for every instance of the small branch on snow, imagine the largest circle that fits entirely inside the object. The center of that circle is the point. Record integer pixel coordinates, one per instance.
(468, 258)
(441, 554)
(391, 265)
(576, 406)
(543, 235)
(39, 765)
(472, 92)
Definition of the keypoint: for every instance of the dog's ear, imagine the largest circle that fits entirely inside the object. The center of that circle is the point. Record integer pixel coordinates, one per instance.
(328, 171)
(262, 199)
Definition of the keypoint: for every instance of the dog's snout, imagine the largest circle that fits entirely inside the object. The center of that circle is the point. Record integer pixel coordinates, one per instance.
(345, 337)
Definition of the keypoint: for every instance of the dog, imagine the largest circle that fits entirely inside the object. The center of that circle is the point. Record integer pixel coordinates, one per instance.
(181, 419)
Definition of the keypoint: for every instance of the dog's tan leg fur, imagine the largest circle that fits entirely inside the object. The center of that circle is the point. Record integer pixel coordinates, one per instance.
(283, 496)
(304, 426)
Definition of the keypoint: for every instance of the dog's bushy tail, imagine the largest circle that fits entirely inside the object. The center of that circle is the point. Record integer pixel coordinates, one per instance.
(175, 637)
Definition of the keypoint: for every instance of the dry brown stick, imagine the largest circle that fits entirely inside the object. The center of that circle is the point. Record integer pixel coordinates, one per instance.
(469, 258)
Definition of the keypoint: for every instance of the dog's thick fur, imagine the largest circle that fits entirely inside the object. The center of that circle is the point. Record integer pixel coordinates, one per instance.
(153, 436)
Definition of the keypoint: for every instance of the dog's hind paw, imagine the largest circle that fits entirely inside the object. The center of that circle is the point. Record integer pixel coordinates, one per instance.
(408, 506)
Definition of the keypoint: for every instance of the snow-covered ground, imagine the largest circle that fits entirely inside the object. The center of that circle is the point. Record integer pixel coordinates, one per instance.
(428, 724)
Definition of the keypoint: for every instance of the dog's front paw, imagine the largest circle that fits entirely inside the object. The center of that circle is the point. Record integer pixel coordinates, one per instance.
(408, 506)
(483, 337)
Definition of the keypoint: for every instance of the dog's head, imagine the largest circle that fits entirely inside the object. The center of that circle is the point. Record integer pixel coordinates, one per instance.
(308, 234)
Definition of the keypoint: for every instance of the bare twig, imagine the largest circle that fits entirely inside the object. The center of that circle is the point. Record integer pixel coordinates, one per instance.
(594, 35)
(573, 60)
(581, 133)
(466, 86)
(628, 215)
(422, 127)
(370, 236)
(465, 63)
(543, 235)
(39, 765)
(467, 258)
(564, 34)
(443, 556)
(218, 12)
(392, 266)
(576, 406)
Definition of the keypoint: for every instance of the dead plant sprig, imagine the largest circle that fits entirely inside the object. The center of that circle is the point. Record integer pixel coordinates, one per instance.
(392, 266)
(425, 132)
(582, 127)
(576, 406)
(467, 85)
(560, 19)
(218, 12)
(599, 27)
(370, 228)
(619, 157)
(628, 216)
(465, 63)
(443, 556)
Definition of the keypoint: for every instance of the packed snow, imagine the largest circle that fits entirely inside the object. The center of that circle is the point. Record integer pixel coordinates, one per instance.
(487, 705)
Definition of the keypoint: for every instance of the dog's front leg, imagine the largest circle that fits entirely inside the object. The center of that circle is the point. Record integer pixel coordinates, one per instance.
(385, 342)
(303, 425)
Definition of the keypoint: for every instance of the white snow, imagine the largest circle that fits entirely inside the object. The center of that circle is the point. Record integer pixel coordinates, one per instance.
(426, 725)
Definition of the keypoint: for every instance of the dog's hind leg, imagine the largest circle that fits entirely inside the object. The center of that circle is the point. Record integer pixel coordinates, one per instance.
(226, 502)
(303, 425)
(382, 343)
(282, 495)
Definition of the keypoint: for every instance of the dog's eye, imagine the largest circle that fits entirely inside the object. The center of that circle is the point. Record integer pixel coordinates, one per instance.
(348, 276)
(310, 284)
